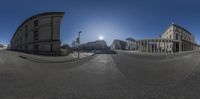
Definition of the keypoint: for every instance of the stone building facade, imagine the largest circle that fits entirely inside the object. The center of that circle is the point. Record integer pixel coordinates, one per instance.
(174, 39)
(130, 44)
(39, 34)
(185, 40)
(95, 45)
(159, 45)
(118, 45)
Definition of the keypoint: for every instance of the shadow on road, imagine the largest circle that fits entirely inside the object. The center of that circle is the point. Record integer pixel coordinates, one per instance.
(157, 70)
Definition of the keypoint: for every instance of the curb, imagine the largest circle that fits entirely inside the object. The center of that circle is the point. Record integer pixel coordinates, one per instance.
(47, 61)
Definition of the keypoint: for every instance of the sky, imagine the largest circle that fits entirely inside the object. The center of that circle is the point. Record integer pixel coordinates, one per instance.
(112, 19)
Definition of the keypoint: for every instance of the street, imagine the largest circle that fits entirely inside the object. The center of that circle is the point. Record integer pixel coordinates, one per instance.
(102, 76)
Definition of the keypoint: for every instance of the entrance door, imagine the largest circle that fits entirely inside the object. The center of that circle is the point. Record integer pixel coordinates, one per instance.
(176, 47)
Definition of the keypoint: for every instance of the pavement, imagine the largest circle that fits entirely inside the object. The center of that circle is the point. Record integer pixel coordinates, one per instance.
(102, 76)
(51, 59)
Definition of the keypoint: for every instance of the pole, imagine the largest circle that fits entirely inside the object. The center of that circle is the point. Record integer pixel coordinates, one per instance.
(79, 34)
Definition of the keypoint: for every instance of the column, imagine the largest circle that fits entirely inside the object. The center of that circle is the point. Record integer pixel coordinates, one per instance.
(180, 46)
(161, 42)
(140, 46)
(143, 46)
(158, 46)
(154, 44)
(171, 46)
(136, 45)
(164, 46)
(148, 46)
(174, 46)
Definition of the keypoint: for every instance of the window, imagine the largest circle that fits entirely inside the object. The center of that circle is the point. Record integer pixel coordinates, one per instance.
(36, 23)
(26, 47)
(36, 47)
(51, 47)
(26, 35)
(26, 28)
(180, 30)
(176, 36)
(36, 35)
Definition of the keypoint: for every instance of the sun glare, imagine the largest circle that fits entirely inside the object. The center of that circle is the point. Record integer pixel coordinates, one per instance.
(101, 37)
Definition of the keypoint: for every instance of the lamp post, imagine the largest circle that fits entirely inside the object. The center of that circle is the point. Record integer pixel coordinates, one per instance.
(78, 41)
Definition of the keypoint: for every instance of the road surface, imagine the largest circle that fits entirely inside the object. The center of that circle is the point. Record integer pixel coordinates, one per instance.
(103, 76)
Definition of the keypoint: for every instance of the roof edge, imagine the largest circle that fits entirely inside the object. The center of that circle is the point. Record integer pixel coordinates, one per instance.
(35, 16)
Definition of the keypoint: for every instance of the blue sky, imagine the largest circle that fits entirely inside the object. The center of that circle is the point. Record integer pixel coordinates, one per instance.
(113, 19)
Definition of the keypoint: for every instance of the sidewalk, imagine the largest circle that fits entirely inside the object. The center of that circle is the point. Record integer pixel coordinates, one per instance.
(50, 59)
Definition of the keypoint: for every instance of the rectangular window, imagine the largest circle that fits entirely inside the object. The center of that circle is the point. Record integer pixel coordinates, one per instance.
(36, 47)
(36, 23)
(26, 47)
(26, 33)
(26, 36)
(26, 28)
(51, 47)
(176, 36)
(36, 37)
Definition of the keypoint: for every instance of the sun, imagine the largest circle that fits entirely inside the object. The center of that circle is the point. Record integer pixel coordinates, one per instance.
(101, 37)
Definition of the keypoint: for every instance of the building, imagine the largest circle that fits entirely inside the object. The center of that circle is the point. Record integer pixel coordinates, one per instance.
(184, 40)
(39, 34)
(95, 45)
(130, 44)
(1, 45)
(118, 45)
(159, 45)
(174, 39)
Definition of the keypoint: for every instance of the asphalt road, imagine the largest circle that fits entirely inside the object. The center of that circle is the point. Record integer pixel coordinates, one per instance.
(103, 76)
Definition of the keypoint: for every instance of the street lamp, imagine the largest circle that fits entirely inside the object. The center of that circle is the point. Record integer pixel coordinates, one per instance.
(78, 41)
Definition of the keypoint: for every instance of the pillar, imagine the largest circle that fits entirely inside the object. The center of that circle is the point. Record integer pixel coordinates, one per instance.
(148, 46)
(180, 46)
(154, 44)
(171, 42)
(140, 46)
(174, 46)
(164, 45)
(158, 46)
